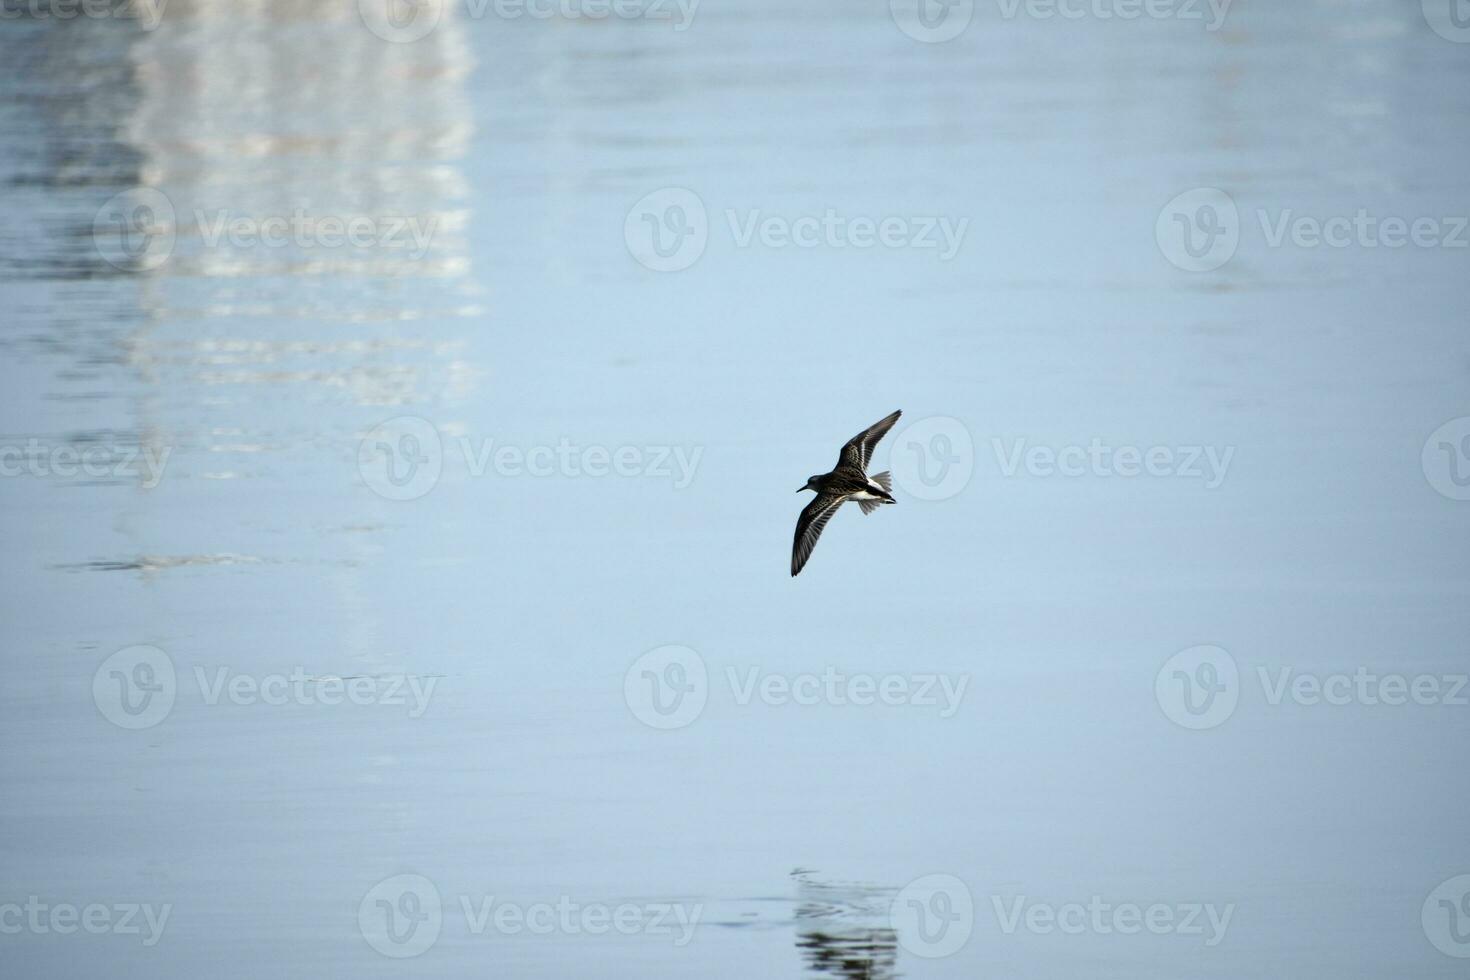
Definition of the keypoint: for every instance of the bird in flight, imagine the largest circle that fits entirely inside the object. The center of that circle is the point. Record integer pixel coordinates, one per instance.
(848, 480)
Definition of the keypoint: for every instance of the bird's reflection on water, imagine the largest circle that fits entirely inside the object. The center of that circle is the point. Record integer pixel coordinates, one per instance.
(870, 954)
(842, 929)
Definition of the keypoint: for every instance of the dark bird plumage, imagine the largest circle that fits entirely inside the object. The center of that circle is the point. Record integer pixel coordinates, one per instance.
(848, 480)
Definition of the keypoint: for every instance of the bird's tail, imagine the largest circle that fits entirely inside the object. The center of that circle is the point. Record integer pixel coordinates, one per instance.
(885, 481)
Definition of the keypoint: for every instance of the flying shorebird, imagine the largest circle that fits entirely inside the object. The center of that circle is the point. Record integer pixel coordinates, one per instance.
(848, 480)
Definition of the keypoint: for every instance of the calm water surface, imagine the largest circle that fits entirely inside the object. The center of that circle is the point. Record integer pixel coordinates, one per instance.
(239, 514)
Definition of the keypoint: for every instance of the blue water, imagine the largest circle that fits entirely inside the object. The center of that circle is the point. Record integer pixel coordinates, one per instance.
(313, 470)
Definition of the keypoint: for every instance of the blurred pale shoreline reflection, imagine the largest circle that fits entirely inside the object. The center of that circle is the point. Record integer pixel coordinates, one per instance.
(263, 140)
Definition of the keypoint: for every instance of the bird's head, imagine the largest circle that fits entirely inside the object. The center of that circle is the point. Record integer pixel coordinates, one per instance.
(811, 484)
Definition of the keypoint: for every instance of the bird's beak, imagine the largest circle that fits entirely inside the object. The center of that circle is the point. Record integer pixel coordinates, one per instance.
(800, 489)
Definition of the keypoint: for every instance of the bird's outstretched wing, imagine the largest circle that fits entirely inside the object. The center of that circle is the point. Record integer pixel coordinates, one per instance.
(814, 517)
(859, 448)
